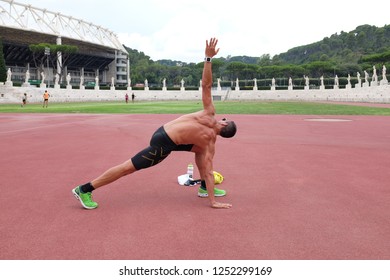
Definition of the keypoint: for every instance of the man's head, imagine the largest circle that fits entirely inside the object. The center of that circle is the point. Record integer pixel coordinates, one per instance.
(228, 129)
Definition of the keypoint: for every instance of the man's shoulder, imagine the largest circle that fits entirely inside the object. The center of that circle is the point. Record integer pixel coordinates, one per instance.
(205, 113)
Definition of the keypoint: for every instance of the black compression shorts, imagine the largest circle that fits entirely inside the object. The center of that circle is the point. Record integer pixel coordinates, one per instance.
(160, 147)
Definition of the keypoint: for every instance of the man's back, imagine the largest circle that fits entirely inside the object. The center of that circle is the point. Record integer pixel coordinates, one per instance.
(197, 128)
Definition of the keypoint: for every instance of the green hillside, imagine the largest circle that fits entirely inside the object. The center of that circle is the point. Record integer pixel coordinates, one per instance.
(341, 54)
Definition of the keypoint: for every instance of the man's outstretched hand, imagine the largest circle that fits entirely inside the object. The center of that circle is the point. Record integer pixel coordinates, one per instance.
(221, 205)
(210, 47)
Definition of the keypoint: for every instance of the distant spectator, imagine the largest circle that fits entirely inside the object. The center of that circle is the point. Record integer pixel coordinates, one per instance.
(46, 96)
(24, 99)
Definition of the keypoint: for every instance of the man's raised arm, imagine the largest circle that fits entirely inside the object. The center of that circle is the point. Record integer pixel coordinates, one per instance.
(207, 77)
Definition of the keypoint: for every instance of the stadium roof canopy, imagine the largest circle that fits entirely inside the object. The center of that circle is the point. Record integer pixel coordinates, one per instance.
(21, 25)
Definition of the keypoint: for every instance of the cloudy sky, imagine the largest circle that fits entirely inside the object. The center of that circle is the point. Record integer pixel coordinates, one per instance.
(177, 29)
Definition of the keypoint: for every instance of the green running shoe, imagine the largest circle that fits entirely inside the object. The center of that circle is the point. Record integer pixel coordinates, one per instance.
(217, 192)
(84, 198)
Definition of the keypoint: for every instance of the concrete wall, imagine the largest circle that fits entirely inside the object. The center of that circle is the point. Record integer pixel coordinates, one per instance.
(377, 94)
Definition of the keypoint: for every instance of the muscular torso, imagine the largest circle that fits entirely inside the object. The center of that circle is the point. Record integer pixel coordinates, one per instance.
(196, 128)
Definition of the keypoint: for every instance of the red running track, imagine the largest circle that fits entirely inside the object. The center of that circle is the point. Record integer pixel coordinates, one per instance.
(300, 189)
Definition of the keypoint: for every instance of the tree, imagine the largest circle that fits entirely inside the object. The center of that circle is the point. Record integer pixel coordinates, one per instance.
(234, 69)
(39, 56)
(319, 68)
(375, 58)
(264, 60)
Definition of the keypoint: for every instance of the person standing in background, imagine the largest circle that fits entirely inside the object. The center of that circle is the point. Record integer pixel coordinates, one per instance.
(24, 99)
(46, 96)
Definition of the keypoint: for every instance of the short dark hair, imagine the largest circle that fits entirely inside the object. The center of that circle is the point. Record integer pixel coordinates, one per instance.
(229, 130)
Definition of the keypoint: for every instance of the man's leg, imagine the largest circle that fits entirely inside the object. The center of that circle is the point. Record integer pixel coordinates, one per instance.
(113, 174)
(84, 192)
(146, 158)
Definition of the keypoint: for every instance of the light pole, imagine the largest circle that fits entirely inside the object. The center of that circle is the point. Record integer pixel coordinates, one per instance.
(47, 52)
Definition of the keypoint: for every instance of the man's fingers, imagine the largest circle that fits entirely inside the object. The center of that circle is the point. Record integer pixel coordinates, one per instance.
(221, 205)
(213, 42)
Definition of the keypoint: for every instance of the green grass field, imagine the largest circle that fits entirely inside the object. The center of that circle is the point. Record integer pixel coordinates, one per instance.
(184, 107)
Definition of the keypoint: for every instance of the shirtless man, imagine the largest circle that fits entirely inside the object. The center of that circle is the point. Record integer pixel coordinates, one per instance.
(196, 132)
(46, 96)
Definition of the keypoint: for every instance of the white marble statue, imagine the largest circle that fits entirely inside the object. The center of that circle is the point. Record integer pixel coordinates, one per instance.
(384, 72)
(68, 78)
(27, 77)
(81, 81)
(56, 79)
(306, 80)
(366, 76)
(359, 80)
(374, 75)
(9, 74)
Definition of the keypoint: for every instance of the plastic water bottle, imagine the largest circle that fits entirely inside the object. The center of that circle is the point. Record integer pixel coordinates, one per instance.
(190, 170)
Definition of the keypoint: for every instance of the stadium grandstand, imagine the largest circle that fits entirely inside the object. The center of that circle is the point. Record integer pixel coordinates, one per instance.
(99, 52)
